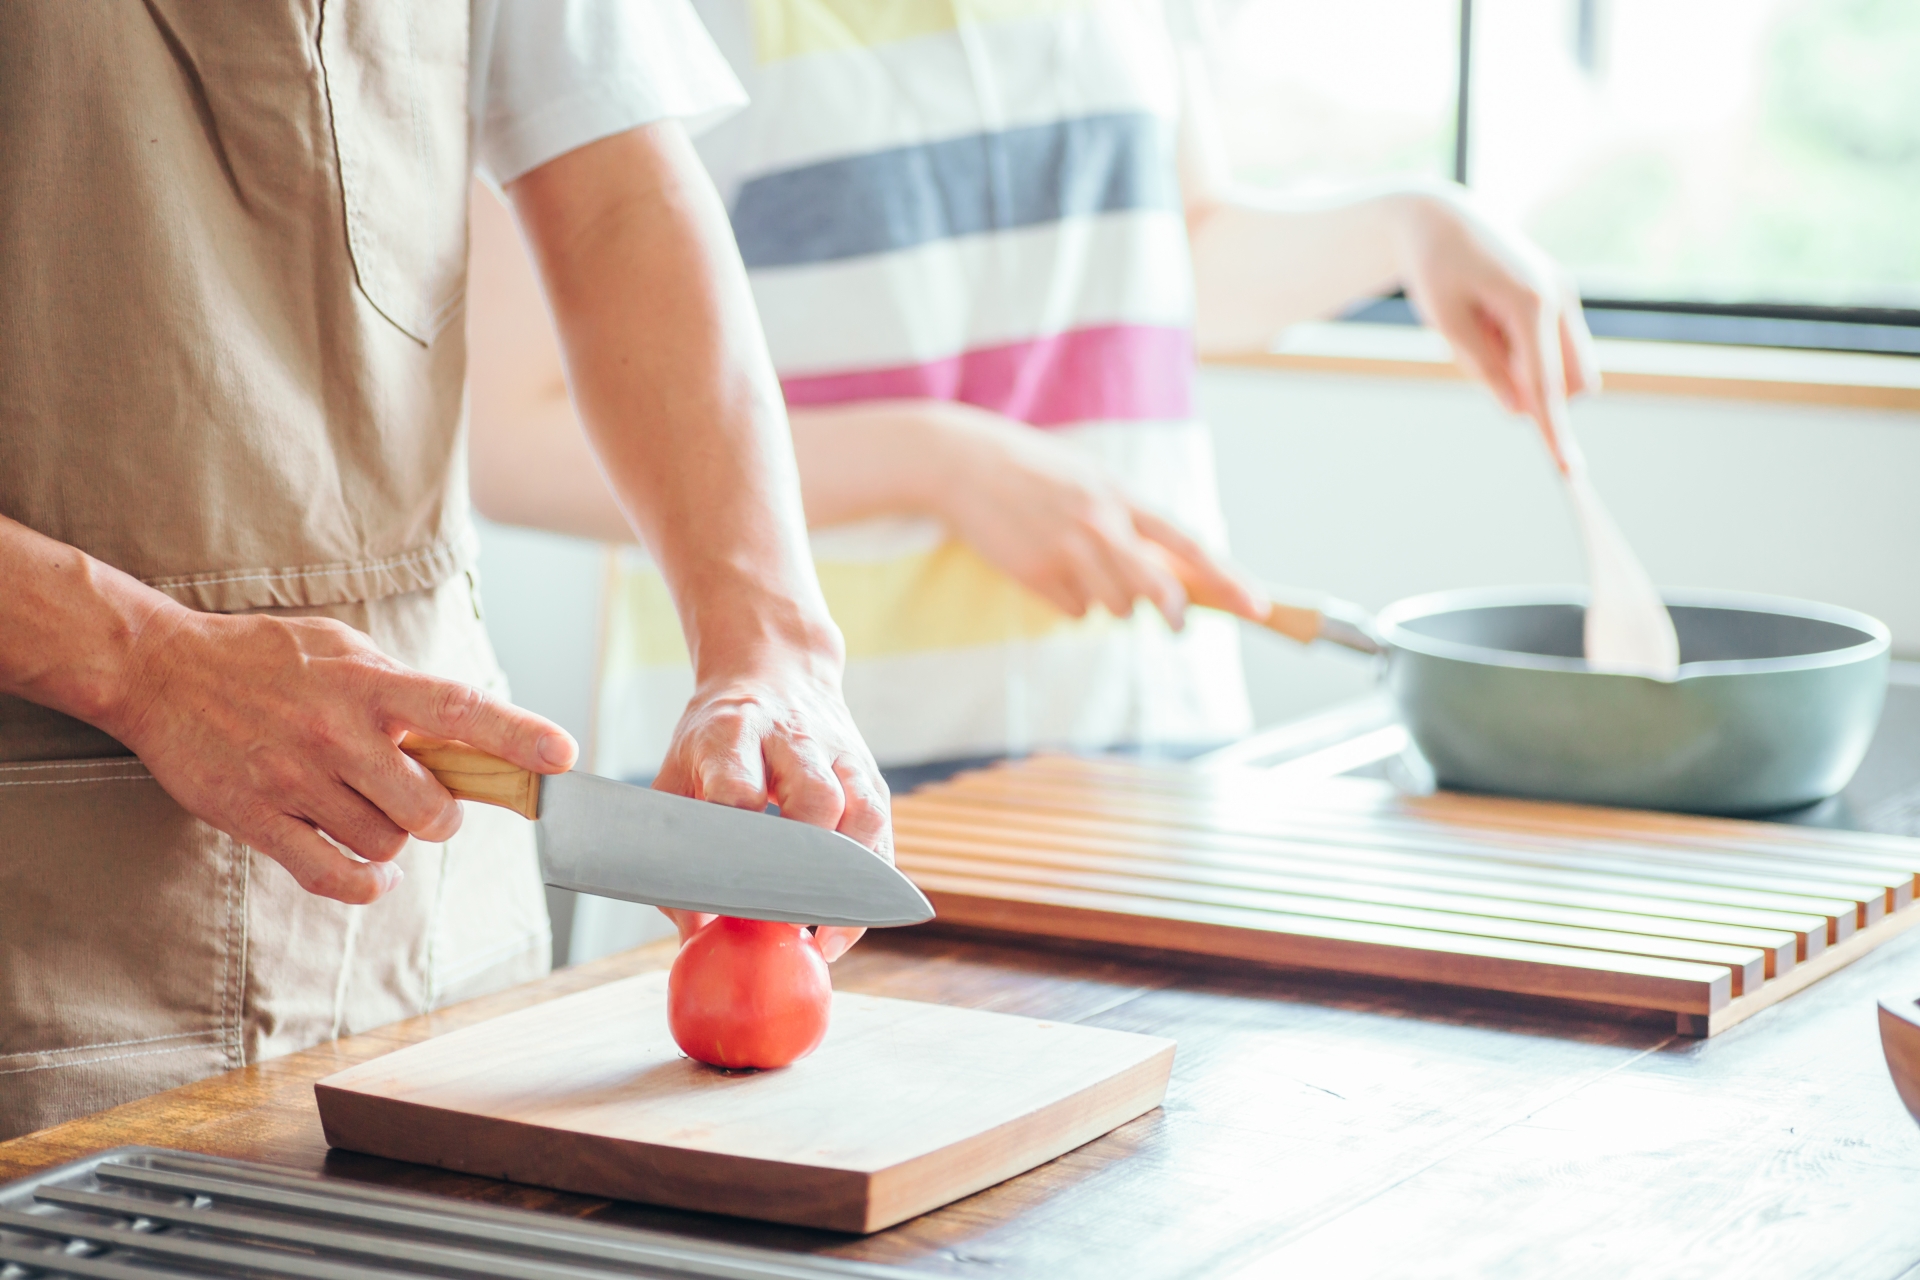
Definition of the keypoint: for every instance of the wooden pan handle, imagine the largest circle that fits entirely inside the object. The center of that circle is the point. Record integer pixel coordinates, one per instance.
(472, 774)
(1335, 620)
(1293, 622)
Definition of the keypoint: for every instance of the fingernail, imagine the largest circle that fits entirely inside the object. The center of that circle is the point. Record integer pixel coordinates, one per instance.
(556, 749)
(392, 874)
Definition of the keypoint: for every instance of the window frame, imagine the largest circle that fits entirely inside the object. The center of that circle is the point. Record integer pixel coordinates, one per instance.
(1869, 330)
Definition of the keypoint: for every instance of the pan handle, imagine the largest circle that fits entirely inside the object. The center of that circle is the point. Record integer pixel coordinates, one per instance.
(1344, 622)
(1339, 621)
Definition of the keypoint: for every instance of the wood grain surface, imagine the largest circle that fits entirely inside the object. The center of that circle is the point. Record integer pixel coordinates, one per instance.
(1314, 1125)
(1693, 916)
(905, 1107)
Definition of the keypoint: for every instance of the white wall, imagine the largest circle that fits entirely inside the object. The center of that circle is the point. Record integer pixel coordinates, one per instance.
(1376, 489)
(541, 596)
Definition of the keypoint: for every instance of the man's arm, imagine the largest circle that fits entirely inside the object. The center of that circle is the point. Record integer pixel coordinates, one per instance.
(277, 731)
(672, 382)
(1511, 315)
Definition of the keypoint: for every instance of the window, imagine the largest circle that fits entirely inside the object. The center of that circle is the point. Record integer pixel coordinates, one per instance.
(1717, 170)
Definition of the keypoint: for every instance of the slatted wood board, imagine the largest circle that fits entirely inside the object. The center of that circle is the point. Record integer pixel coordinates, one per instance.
(1709, 919)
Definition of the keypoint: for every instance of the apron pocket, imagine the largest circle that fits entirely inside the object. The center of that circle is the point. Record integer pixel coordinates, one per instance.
(122, 941)
(396, 78)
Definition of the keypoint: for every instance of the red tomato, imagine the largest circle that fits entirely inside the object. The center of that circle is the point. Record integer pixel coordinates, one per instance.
(749, 993)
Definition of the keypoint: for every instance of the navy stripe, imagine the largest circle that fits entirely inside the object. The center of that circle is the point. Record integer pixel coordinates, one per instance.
(907, 196)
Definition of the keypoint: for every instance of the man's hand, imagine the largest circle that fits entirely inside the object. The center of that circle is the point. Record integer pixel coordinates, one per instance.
(282, 733)
(780, 735)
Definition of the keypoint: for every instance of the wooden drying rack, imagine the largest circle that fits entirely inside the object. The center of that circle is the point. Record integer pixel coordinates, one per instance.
(1709, 919)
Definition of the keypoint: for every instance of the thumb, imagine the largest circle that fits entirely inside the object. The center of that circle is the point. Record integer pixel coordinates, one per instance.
(836, 940)
(687, 922)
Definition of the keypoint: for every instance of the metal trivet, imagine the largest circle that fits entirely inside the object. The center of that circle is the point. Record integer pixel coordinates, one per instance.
(135, 1213)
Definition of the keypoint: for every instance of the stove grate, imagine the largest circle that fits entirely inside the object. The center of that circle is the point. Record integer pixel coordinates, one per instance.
(137, 1213)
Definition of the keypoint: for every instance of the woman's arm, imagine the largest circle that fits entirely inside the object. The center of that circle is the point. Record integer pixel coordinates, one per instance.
(531, 463)
(1263, 263)
(1037, 511)
(1045, 516)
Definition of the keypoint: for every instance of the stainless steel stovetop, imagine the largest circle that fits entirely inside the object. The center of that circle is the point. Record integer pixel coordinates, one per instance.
(1362, 739)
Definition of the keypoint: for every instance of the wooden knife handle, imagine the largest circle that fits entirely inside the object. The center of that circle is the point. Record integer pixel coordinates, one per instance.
(472, 774)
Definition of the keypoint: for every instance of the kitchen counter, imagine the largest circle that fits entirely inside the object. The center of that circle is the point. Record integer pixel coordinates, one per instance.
(1314, 1126)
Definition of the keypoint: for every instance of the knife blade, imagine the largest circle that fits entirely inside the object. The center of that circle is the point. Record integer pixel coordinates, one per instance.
(617, 840)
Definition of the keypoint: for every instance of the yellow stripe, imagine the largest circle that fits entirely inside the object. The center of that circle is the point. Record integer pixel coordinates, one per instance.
(948, 598)
(789, 28)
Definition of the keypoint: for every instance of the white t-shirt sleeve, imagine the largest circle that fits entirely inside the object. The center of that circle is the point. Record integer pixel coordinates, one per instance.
(1193, 24)
(552, 75)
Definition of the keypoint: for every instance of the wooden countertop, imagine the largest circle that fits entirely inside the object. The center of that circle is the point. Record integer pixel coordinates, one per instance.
(1313, 1127)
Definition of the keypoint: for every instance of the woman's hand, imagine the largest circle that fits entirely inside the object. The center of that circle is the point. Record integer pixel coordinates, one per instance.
(1510, 313)
(1054, 522)
(1263, 262)
(778, 730)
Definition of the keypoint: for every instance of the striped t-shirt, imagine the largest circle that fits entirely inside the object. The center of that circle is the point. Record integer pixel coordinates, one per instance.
(971, 200)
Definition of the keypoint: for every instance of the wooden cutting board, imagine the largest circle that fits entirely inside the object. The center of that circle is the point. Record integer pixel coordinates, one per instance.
(1710, 919)
(905, 1107)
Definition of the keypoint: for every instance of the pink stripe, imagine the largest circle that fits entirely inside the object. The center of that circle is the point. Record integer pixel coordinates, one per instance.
(1113, 373)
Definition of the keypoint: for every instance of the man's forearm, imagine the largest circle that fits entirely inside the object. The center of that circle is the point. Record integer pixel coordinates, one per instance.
(70, 626)
(673, 384)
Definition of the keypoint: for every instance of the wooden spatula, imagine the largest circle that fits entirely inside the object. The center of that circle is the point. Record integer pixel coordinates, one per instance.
(1628, 628)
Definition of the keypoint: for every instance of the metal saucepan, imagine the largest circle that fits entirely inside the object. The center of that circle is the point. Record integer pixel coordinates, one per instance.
(1775, 702)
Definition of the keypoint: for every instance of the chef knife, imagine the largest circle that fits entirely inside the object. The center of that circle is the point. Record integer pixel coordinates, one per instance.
(621, 841)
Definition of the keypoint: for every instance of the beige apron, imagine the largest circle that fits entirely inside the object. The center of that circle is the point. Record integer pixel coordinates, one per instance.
(231, 364)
